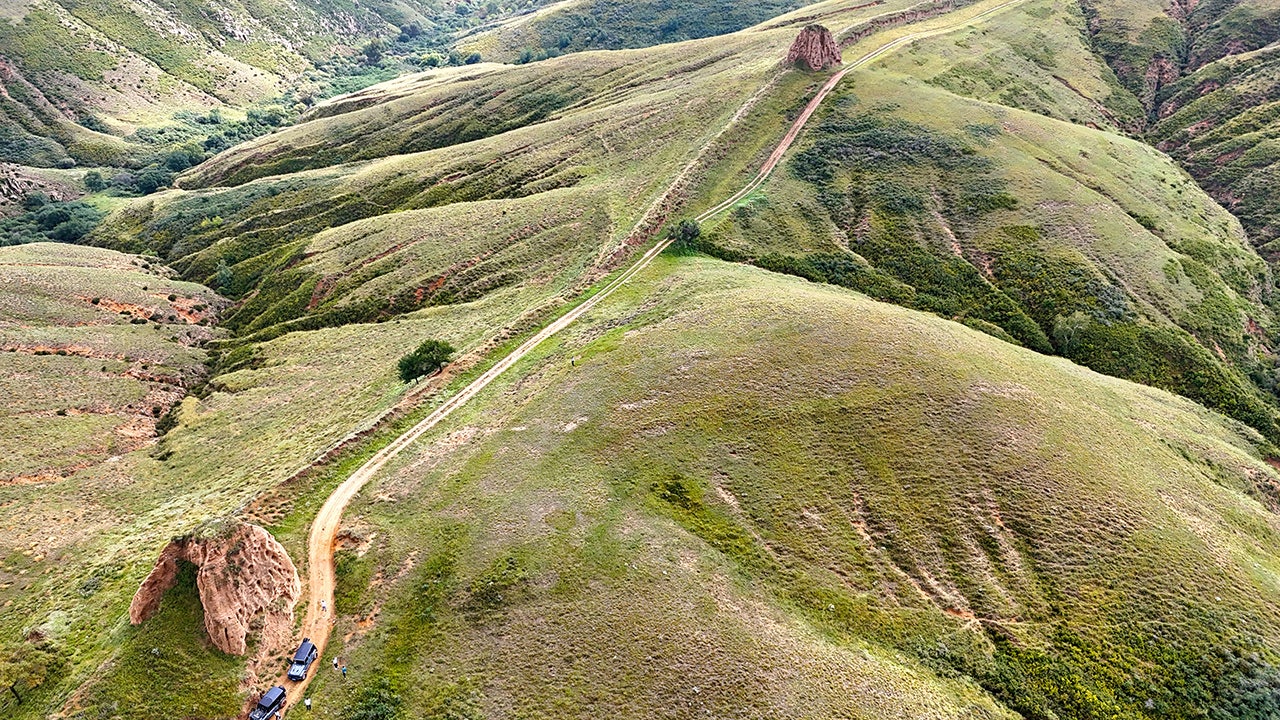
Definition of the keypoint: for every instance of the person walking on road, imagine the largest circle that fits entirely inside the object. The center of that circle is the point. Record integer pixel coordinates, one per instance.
(324, 606)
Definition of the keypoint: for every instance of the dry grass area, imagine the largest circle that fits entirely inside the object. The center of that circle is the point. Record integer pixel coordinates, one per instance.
(95, 347)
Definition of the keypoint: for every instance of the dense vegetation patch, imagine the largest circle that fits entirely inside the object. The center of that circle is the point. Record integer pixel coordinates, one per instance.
(46, 220)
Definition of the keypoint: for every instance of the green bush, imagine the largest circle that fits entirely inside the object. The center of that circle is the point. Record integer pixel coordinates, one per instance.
(429, 357)
(684, 236)
(377, 700)
(58, 221)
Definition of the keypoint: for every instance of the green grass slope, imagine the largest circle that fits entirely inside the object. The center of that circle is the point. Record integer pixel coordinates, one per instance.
(578, 25)
(754, 496)
(468, 204)
(88, 499)
(277, 403)
(349, 218)
(1060, 237)
(106, 81)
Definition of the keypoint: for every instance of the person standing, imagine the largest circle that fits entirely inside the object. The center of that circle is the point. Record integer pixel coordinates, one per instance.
(344, 671)
(307, 703)
(335, 662)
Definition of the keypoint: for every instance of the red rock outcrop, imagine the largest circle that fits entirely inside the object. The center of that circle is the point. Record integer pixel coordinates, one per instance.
(815, 48)
(243, 574)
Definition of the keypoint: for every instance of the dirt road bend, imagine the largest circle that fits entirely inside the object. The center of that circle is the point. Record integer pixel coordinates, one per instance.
(320, 544)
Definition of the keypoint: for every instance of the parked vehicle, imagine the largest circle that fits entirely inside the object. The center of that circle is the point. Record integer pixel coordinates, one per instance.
(271, 703)
(302, 660)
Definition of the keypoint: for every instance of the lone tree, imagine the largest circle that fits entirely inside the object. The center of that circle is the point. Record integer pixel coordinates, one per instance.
(429, 357)
(685, 236)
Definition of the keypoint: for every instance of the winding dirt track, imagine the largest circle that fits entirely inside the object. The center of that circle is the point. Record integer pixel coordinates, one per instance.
(320, 544)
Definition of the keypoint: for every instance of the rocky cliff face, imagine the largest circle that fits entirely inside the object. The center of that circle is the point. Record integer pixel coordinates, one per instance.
(814, 49)
(243, 574)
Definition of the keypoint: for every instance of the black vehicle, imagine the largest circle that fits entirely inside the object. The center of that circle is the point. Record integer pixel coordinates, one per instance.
(271, 703)
(302, 660)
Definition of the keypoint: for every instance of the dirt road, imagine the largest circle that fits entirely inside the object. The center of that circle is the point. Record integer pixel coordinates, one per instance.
(320, 544)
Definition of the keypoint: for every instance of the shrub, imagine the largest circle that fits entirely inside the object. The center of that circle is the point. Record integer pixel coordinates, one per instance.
(59, 221)
(223, 277)
(372, 51)
(429, 357)
(375, 701)
(93, 181)
(684, 236)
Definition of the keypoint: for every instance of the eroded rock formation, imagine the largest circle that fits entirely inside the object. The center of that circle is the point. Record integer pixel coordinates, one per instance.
(243, 574)
(16, 183)
(814, 49)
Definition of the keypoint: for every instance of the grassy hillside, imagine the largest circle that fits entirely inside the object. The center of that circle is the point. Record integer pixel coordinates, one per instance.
(77, 540)
(541, 196)
(103, 82)
(755, 496)
(769, 496)
(578, 25)
(96, 347)
(1053, 235)
(276, 404)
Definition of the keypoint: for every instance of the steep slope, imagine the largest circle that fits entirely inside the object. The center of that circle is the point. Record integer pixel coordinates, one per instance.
(1057, 236)
(1206, 75)
(544, 196)
(1220, 122)
(752, 496)
(80, 75)
(579, 25)
(1152, 44)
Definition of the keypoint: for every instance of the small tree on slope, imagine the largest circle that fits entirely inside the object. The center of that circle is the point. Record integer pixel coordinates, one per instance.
(429, 357)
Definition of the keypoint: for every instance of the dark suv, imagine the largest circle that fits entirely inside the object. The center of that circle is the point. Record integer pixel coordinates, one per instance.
(302, 660)
(271, 703)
